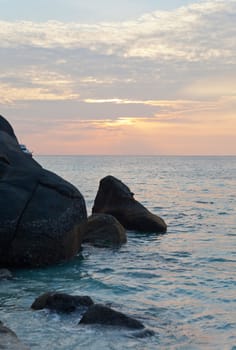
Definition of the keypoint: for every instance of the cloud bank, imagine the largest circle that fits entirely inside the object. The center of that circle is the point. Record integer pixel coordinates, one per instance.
(202, 31)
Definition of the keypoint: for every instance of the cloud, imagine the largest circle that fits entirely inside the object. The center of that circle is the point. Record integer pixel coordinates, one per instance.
(157, 103)
(167, 111)
(106, 80)
(10, 94)
(33, 84)
(201, 31)
(159, 55)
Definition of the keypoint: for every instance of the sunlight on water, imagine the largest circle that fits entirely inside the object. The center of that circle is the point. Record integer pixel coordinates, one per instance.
(180, 285)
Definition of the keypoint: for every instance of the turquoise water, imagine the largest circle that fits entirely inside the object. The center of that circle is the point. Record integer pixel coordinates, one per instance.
(182, 285)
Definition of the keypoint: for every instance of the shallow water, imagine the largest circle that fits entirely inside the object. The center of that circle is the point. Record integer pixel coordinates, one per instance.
(181, 285)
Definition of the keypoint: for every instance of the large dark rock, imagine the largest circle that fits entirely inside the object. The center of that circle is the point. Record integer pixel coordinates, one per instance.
(61, 302)
(101, 314)
(6, 127)
(103, 230)
(9, 340)
(40, 213)
(115, 198)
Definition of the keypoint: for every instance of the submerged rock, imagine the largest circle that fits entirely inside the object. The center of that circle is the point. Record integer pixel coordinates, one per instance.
(9, 340)
(115, 198)
(144, 333)
(5, 274)
(61, 302)
(92, 313)
(103, 230)
(101, 314)
(40, 213)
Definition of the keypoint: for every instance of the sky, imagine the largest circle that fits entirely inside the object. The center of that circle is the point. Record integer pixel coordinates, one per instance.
(127, 77)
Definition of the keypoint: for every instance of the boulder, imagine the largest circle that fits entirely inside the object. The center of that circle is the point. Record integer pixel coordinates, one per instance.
(61, 302)
(9, 340)
(5, 274)
(115, 198)
(101, 314)
(40, 213)
(103, 230)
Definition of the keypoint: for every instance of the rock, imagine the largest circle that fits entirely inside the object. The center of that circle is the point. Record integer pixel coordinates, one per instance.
(9, 340)
(101, 314)
(115, 198)
(5, 274)
(103, 230)
(7, 128)
(40, 213)
(144, 333)
(61, 302)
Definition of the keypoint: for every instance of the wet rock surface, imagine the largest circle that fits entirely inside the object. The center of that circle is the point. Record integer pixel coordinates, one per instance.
(61, 302)
(103, 230)
(115, 198)
(104, 315)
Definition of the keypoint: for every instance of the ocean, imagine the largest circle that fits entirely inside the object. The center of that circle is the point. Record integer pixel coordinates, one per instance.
(181, 285)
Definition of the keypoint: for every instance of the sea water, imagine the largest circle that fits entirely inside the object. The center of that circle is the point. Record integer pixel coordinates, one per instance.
(181, 285)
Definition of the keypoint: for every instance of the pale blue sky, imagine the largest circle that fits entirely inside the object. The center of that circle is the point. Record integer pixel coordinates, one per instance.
(83, 10)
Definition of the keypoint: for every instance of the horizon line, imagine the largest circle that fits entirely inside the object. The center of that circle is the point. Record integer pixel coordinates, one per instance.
(135, 155)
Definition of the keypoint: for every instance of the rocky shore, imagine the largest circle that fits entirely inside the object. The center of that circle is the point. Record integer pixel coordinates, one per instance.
(43, 221)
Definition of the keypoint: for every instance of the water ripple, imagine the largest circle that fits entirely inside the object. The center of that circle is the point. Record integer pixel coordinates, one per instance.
(180, 285)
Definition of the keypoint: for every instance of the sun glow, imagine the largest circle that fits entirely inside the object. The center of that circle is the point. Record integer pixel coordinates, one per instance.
(120, 122)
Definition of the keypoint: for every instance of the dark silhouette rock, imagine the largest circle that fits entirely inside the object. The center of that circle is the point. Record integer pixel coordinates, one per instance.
(101, 314)
(6, 127)
(9, 340)
(115, 198)
(40, 213)
(103, 230)
(5, 274)
(61, 302)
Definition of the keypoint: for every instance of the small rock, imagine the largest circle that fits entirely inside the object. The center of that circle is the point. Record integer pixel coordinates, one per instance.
(101, 314)
(103, 230)
(61, 302)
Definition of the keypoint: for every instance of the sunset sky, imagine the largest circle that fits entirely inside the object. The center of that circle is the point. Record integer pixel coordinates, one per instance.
(123, 77)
